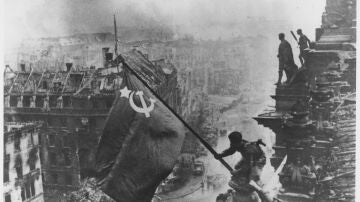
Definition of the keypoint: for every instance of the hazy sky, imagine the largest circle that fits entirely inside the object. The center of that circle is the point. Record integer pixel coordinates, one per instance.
(202, 18)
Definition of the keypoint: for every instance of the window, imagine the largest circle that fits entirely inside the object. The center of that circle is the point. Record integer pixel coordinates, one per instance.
(6, 167)
(32, 187)
(7, 197)
(28, 190)
(19, 172)
(13, 101)
(31, 139)
(67, 101)
(44, 85)
(33, 157)
(52, 156)
(18, 166)
(52, 140)
(23, 196)
(17, 137)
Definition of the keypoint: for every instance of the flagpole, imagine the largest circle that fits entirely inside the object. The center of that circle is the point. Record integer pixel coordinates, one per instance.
(116, 39)
(207, 145)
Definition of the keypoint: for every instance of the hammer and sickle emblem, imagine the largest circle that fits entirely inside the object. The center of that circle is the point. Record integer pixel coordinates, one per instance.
(144, 109)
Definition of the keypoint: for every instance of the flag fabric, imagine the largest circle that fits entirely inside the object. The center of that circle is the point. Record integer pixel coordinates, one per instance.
(140, 143)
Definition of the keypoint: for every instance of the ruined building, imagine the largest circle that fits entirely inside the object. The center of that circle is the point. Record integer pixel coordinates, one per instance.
(73, 104)
(22, 167)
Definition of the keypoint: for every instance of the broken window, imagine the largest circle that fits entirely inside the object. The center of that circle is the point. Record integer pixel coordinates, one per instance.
(7, 197)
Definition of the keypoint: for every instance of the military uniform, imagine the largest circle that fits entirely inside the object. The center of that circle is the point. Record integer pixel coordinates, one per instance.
(251, 154)
(303, 44)
(286, 60)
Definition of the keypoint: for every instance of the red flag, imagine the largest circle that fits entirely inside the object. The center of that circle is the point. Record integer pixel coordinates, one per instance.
(139, 145)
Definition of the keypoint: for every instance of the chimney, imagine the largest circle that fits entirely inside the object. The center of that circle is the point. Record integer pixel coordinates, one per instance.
(68, 66)
(22, 67)
(104, 51)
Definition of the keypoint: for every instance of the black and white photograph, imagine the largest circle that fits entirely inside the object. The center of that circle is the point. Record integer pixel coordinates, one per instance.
(178, 100)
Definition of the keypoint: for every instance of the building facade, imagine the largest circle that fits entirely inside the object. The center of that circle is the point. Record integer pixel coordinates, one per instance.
(22, 167)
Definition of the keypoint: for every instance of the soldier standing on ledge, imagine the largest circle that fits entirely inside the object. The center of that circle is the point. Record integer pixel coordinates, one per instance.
(304, 43)
(286, 60)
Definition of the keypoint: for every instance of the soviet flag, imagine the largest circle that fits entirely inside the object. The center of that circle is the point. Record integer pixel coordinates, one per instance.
(139, 145)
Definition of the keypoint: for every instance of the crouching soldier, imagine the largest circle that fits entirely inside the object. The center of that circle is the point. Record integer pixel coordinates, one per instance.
(250, 151)
(247, 171)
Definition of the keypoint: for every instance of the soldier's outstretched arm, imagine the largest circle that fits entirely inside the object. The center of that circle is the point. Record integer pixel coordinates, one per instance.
(225, 153)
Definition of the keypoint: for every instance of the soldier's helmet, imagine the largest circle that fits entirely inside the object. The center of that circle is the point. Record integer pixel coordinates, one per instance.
(281, 36)
(235, 137)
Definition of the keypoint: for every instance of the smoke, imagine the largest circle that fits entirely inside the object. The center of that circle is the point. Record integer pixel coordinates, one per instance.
(202, 18)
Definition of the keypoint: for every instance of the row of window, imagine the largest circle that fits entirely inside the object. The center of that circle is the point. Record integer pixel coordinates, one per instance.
(53, 102)
(63, 122)
(27, 191)
(18, 167)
